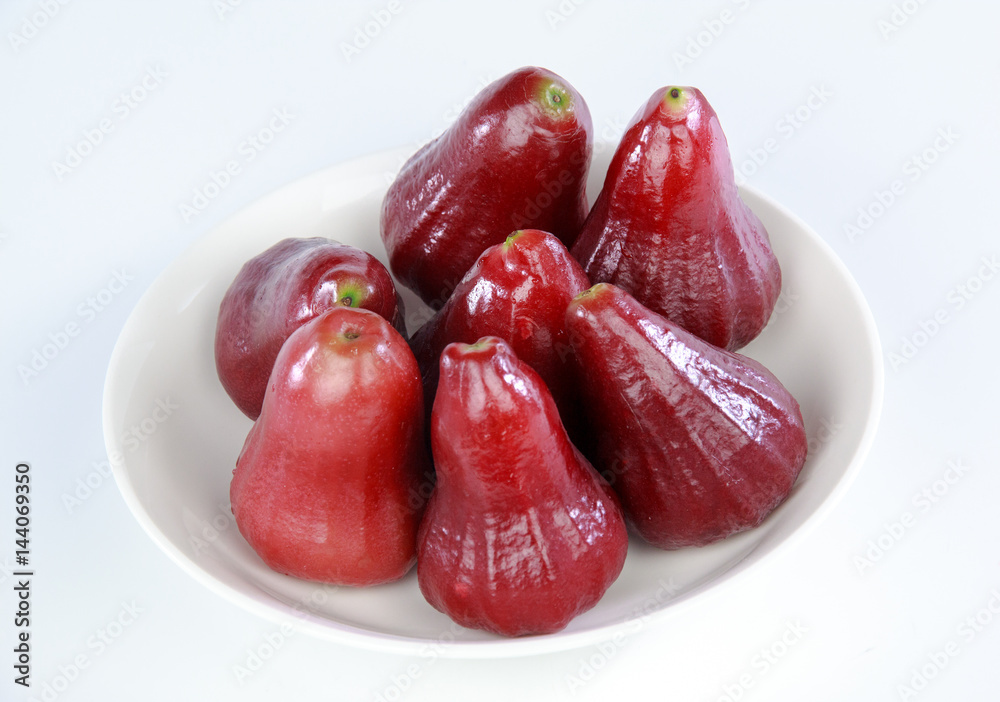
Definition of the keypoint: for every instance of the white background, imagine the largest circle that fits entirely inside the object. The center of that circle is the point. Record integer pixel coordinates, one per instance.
(63, 236)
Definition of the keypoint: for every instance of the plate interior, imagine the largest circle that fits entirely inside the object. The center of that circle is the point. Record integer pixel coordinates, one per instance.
(167, 416)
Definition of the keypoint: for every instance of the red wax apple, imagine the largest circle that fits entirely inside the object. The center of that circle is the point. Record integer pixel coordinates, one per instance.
(517, 291)
(520, 534)
(516, 158)
(669, 226)
(281, 289)
(701, 442)
(324, 487)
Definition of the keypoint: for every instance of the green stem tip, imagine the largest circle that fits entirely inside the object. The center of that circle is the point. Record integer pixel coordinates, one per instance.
(555, 98)
(675, 98)
(511, 239)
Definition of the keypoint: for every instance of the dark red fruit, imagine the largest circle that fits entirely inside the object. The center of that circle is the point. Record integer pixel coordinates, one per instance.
(702, 443)
(281, 289)
(517, 291)
(669, 226)
(516, 158)
(520, 534)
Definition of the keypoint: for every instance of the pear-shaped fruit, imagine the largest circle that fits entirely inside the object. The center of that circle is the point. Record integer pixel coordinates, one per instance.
(516, 158)
(520, 534)
(324, 487)
(281, 289)
(669, 226)
(517, 291)
(701, 442)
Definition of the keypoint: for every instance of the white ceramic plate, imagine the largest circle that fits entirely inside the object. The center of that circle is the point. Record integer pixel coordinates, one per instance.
(177, 434)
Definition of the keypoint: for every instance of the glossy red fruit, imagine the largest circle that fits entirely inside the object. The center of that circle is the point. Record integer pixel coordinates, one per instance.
(517, 291)
(702, 443)
(324, 487)
(281, 289)
(516, 158)
(520, 534)
(669, 226)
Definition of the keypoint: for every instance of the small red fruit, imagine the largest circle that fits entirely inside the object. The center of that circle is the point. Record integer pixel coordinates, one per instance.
(324, 487)
(520, 534)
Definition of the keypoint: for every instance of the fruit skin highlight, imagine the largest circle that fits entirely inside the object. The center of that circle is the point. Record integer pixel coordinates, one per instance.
(323, 488)
(516, 158)
(521, 534)
(517, 291)
(281, 289)
(701, 443)
(669, 226)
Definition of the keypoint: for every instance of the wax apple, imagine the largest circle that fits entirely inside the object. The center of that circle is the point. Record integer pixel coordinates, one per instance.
(516, 158)
(278, 291)
(702, 443)
(669, 226)
(323, 489)
(517, 291)
(520, 535)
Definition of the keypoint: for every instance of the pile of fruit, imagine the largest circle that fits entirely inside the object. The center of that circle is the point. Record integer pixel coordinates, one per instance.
(579, 375)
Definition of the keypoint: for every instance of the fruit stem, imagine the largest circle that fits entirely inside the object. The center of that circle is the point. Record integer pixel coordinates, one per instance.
(675, 99)
(510, 240)
(555, 98)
